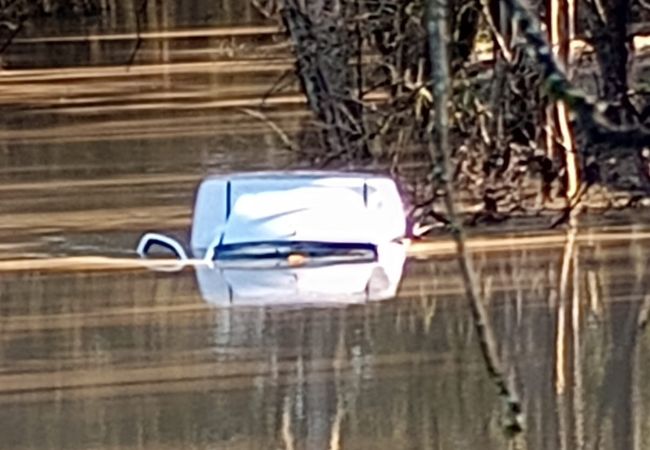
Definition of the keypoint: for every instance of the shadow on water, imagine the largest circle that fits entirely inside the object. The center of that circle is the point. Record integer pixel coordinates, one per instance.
(92, 153)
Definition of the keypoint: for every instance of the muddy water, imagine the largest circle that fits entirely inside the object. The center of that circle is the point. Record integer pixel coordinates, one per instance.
(125, 358)
(103, 355)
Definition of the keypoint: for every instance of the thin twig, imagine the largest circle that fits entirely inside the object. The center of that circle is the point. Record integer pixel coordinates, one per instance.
(11, 26)
(277, 85)
(286, 140)
(14, 30)
(644, 312)
(138, 33)
(498, 37)
(571, 207)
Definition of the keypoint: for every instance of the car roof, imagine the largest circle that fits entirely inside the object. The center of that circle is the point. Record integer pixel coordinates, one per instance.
(287, 193)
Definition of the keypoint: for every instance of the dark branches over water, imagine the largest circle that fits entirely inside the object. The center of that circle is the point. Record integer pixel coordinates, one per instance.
(13, 30)
(14, 14)
(437, 20)
(502, 149)
(589, 112)
(324, 44)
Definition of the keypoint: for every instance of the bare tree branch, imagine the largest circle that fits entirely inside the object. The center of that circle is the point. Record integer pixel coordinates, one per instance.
(278, 85)
(438, 33)
(14, 30)
(286, 140)
(588, 111)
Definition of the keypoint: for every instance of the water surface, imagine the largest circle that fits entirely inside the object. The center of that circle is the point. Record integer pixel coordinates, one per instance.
(93, 153)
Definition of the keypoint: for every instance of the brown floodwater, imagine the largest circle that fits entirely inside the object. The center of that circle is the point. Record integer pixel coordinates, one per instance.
(98, 351)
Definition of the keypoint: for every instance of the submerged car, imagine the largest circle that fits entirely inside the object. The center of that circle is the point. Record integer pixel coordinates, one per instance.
(276, 214)
(294, 238)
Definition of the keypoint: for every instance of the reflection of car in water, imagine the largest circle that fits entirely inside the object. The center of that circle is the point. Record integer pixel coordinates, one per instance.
(242, 283)
(294, 236)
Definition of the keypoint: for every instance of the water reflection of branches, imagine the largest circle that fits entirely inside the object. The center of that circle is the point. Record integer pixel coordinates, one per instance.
(288, 143)
(140, 16)
(14, 14)
(13, 29)
(597, 363)
(562, 333)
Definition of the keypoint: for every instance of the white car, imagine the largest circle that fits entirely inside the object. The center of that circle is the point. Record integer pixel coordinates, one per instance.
(275, 213)
(294, 235)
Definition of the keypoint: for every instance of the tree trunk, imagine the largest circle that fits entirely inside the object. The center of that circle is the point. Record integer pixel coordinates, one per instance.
(437, 20)
(560, 22)
(324, 47)
(608, 23)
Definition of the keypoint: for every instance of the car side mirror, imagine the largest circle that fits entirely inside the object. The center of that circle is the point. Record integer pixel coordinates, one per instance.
(151, 240)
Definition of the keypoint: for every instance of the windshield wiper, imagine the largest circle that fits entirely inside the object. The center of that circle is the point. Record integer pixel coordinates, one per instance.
(282, 249)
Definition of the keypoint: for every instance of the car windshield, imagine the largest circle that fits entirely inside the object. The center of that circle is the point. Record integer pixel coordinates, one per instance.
(305, 252)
